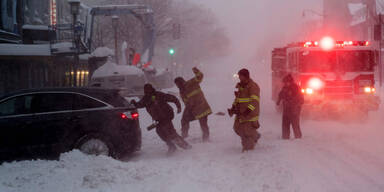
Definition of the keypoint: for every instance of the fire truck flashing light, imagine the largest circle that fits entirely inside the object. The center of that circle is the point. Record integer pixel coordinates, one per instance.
(315, 83)
(328, 43)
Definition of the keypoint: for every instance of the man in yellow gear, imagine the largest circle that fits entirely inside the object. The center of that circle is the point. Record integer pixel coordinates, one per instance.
(196, 106)
(247, 109)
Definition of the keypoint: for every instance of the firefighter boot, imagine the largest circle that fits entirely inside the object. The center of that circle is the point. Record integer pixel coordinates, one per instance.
(205, 136)
(204, 128)
(184, 131)
(184, 134)
(179, 141)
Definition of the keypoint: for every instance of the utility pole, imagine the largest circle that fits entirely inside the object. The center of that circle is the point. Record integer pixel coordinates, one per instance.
(115, 24)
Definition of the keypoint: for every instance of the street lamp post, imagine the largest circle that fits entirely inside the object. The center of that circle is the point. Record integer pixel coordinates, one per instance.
(173, 68)
(115, 24)
(75, 10)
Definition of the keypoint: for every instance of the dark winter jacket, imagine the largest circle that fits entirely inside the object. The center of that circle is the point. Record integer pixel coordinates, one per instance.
(157, 105)
(292, 99)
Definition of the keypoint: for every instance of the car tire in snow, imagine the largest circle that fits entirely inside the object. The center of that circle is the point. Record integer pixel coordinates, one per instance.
(95, 145)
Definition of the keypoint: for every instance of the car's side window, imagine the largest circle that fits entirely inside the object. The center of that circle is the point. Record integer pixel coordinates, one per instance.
(83, 102)
(17, 105)
(51, 102)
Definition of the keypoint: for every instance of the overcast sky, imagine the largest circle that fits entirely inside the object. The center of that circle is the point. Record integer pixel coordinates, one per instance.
(253, 23)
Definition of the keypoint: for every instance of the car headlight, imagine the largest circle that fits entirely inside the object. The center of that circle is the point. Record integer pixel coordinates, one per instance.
(369, 90)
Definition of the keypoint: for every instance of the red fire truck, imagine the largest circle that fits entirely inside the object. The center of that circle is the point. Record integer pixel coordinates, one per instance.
(336, 77)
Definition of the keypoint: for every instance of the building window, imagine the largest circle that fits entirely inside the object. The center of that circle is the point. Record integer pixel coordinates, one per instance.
(7, 15)
(37, 12)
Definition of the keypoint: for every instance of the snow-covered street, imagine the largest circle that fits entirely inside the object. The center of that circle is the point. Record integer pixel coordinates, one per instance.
(333, 50)
(332, 156)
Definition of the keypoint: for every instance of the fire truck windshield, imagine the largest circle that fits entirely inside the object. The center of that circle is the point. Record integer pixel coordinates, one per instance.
(317, 61)
(340, 60)
(353, 61)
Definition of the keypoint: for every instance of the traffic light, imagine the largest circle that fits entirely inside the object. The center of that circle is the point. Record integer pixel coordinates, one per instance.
(171, 51)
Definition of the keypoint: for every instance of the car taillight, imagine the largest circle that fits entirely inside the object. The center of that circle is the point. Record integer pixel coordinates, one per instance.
(124, 116)
(135, 115)
(132, 115)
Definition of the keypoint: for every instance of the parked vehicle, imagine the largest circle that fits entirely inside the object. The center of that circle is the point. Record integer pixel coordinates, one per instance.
(44, 123)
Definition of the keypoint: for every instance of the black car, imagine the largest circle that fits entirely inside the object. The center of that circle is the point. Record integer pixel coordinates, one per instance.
(46, 122)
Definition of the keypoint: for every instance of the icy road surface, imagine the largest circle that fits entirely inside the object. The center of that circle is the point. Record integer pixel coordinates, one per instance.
(332, 156)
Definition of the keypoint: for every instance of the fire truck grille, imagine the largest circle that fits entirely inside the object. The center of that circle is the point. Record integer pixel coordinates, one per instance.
(338, 89)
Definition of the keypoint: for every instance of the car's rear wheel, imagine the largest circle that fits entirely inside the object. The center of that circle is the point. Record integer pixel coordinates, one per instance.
(95, 146)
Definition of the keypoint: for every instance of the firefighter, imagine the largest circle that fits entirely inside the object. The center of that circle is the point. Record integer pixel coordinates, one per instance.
(196, 106)
(156, 104)
(292, 102)
(247, 109)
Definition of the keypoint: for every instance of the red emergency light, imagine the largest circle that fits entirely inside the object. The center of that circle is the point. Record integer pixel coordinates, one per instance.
(315, 83)
(327, 43)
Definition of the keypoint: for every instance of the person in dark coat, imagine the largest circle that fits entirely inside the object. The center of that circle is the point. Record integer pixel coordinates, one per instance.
(156, 104)
(292, 100)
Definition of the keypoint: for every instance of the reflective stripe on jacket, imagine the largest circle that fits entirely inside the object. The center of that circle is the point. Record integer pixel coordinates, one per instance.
(248, 99)
(194, 98)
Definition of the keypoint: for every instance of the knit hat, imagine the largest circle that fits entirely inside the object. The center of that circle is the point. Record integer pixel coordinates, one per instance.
(148, 88)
